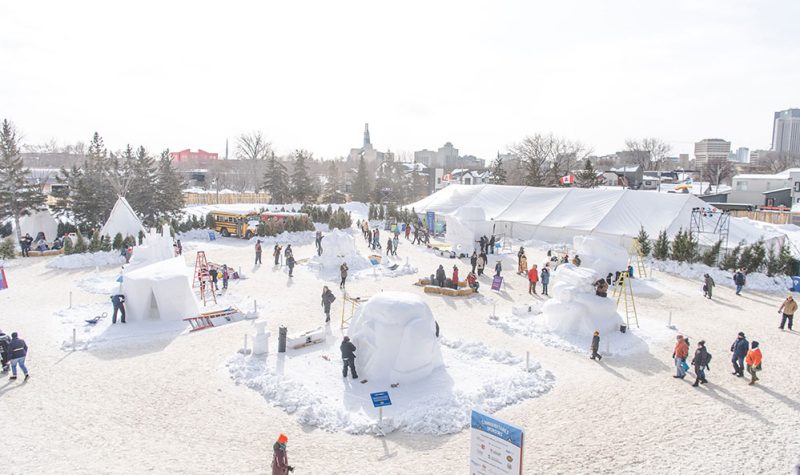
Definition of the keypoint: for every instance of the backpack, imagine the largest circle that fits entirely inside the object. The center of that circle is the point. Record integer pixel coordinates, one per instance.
(708, 359)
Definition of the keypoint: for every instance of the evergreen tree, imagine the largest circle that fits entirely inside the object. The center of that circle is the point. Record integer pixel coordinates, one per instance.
(18, 197)
(168, 199)
(644, 242)
(753, 257)
(731, 259)
(276, 181)
(711, 255)
(684, 247)
(331, 193)
(661, 247)
(94, 243)
(381, 214)
(497, 174)
(80, 243)
(117, 244)
(587, 178)
(143, 188)
(361, 184)
(786, 261)
(301, 184)
(68, 246)
(8, 250)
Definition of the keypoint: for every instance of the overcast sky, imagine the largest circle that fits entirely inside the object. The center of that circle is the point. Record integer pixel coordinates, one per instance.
(481, 75)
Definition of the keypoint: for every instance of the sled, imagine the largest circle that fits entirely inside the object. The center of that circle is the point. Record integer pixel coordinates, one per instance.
(93, 321)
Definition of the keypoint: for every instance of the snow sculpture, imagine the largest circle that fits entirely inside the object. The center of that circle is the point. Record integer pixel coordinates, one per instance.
(574, 309)
(465, 227)
(162, 290)
(155, 248)
(337, 247)
(601, 255)
(395, 334)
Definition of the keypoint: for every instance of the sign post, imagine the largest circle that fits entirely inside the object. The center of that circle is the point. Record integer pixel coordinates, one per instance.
(497, 282)
(495, 446)
(379, 400)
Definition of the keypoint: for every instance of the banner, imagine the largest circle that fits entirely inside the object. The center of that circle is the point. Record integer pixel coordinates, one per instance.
(497, 281)
(495, 446)
(430, 221)
(3, 281)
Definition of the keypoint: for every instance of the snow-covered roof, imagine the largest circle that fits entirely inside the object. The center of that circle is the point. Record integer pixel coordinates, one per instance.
(784, 175)
(788, 188)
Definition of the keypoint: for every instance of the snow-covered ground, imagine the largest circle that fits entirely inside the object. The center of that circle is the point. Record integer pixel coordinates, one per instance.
(155, 398)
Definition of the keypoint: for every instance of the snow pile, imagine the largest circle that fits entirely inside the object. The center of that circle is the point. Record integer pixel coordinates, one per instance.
(337, 247)
(575, 310)
(87, 259)
(309, 384)
(396, 338)
(103, 283)
(388, 267)
(600, 254)
(755, 281)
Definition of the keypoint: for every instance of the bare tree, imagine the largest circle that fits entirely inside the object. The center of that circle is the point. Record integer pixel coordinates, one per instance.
(543, 159)
(252, 146)
(649, 152)
(717, 170)
(776, 162)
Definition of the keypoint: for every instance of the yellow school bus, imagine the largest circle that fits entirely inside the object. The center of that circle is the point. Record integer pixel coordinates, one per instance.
(235, 224)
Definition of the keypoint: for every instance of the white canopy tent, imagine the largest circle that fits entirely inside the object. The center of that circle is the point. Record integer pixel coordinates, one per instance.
(39, 221)
(122, 220)
(560, 214)
(160, 291)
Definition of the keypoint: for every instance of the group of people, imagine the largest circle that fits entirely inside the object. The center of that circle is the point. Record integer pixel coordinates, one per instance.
(739, 281)
(744, 356)
(288, 255)
(533, 274)
(13, 351)
(487, 244)
(28, 244)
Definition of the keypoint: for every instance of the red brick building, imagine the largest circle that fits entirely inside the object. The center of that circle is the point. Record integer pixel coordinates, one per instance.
(189, 155)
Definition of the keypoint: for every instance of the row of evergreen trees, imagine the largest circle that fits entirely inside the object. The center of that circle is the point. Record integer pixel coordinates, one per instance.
(336, 219)
(685, 247)
(391, 211)
(152, 186)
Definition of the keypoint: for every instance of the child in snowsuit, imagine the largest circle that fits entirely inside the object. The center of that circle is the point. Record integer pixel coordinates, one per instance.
(708, 286)
(225, 276)
(258, 252)
(290, 263)
(455, 277)
(545, 278)
(498, 268)
(700, 363)
(523, 265)
(280, 461)
(753, 362)
(596, 346)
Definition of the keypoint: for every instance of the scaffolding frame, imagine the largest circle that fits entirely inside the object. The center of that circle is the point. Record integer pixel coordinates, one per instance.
(712, 222)
(354, 303)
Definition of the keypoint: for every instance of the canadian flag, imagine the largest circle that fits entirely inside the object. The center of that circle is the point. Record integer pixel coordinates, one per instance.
(567, 180)
(447, 177)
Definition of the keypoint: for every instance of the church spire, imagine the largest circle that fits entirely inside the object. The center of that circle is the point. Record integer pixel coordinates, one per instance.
(366, 136)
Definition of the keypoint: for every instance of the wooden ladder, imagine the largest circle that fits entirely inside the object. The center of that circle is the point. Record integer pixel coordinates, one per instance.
(623, 289)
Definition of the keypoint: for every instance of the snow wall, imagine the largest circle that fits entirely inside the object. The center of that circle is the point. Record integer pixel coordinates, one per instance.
(600, 254)
(154, 248)
(395, 337)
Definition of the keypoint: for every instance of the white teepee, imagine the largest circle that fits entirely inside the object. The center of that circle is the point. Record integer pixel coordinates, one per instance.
(122, 220)
(39, 221)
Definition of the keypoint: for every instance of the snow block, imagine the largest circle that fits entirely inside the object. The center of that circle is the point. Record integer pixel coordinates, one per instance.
(308, 338)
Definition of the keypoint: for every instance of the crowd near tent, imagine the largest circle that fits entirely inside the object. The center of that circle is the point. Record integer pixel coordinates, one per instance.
(39, 221)
(560, 214)
(162, 290)
(122, 220)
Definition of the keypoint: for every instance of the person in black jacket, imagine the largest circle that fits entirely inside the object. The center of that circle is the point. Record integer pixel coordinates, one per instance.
(473, 261)
(440, 276)
(4, 352)
(118, 300)
(596, 346)
(348, 357)
(491, 245)
(327, 300)
(18, 350)
(700, 363)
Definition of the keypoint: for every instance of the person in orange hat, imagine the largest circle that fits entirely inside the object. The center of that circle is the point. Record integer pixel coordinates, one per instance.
(280, 461)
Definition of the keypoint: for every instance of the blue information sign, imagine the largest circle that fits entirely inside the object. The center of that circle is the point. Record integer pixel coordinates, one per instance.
(380, 399)
(212, 236)
(430, 221)
(496, 446)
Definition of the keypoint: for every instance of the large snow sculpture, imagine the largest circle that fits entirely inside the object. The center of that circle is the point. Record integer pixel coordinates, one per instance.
(395, 334)
(337, 247)
(601, 255)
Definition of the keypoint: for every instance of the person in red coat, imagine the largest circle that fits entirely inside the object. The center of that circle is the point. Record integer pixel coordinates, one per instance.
(280, 462)
(533, 278)
(455, 277)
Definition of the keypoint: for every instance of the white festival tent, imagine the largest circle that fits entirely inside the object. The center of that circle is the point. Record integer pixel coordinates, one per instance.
(39, 221)
(122, 220)
(560, 214)
(162, 291)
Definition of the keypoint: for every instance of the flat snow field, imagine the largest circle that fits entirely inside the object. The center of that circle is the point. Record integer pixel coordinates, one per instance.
(161, 400)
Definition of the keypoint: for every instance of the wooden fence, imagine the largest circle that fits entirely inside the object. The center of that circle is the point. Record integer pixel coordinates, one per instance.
(774, 217)
(225, 198)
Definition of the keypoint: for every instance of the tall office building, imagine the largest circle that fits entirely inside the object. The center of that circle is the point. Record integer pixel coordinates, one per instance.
(786, 131)
(711, 149)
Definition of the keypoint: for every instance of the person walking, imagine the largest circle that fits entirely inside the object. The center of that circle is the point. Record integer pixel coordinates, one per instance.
(18, 350)
(788, 307)
(317, 242)
(180, 247)
(533, 278)
(700, 363)
(520, 253)
(258, 252)
(482, 242)
(288, 252)
(753, 362)
(739, 279)
(395, 242)
(214, 278)
(523, 265)
(389, 246)
(276, 253)
(498, 268)
(481, 263)
(544, 276)
(225, 276)
(455, 277)
(343, 272)
(679, 354)
(440, 276)
(290, 263)
(739, 351)
(327, 300)
(408, 231)
(708, 286)
(596, 346)
(118, 301)
(348, 357)
(5, 356)
(473, 261)
(491, 244)
(280, 460)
